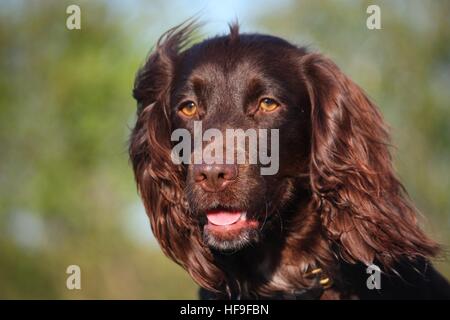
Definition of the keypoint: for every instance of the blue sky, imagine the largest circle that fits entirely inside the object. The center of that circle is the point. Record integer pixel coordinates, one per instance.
(216, 14)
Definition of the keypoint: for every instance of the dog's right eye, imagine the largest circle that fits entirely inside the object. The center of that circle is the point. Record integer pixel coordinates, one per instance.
(188, 109)
(268, 105)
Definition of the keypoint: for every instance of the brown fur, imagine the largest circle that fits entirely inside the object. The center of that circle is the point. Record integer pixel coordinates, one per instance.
(339, 201)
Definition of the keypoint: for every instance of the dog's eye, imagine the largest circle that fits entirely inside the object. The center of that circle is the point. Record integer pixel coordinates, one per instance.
(268, 105)
(189, 109)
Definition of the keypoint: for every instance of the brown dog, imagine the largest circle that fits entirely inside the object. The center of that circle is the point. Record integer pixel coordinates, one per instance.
(334, 206)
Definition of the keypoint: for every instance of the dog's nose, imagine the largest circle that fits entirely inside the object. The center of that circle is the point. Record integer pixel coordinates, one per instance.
(215, 177)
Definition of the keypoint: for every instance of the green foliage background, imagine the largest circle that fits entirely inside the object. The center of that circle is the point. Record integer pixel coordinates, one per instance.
(67, 194)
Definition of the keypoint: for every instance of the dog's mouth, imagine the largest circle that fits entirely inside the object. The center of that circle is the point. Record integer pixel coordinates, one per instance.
(226, 229)
(221, 217)
(228, 220)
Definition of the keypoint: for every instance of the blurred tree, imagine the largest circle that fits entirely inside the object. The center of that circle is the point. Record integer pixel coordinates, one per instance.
(65, 179)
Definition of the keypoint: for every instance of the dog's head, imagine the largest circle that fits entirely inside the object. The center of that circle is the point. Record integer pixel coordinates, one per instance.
(325, 140)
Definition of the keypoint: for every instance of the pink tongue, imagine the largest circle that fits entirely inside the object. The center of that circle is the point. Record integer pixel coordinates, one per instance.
(223, 218)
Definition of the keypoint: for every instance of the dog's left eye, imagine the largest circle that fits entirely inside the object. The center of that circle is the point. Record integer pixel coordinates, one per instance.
(268, 105)
(189, 109)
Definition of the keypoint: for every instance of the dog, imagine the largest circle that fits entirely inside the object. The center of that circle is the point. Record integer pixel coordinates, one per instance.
(333, 209)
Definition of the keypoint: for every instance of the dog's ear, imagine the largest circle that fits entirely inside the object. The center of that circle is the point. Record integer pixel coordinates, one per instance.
(158, 179)
(160, 182)
(153, 80)
(363, 206)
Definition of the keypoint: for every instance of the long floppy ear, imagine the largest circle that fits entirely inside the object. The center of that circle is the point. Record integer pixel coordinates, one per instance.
(364, 208)
(160, 182)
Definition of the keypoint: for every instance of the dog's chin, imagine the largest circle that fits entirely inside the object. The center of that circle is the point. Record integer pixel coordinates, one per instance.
(237, 242)
(230, 233)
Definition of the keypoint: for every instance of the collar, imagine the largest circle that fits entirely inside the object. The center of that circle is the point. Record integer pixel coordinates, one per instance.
(321, 282)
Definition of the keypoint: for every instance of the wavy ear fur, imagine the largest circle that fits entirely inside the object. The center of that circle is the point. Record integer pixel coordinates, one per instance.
(160, 182)
(364, 208)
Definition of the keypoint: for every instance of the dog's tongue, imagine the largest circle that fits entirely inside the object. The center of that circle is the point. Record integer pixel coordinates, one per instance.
(223, 218)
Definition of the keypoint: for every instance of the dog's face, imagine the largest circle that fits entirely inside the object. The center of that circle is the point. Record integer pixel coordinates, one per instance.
(253, 83)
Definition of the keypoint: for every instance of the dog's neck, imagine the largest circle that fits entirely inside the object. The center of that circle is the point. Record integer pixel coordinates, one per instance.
(266, 271)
